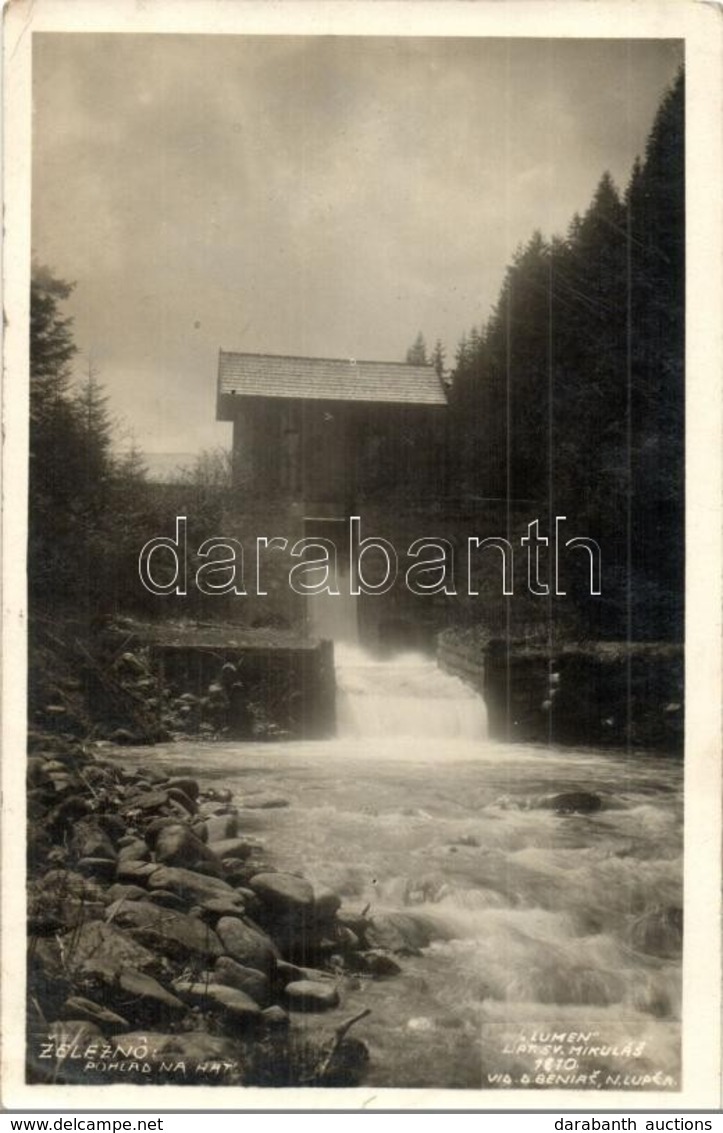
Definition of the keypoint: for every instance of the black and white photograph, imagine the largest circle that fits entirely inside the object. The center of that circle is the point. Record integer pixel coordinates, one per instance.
(355, 433)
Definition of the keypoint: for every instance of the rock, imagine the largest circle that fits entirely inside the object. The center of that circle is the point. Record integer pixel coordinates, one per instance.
(90, 841)
(78, 1007)
(113, 825)
(263, 802)
(166, 899)
(215, 907)
(135, 851)
(275, 1017)
(104, 945)
(153, 828)
(218, 794)
(377, 963)
(138, 996)
(36, 771)
(348, 1064)
(169, 932)
(153, 775)
(311, 995)
(63, 899)
(237, 873)
(397, 932)
(326, 904)
(284, 894)
(186, 784)
(135, 873)
(100, 868)
(195, 888)
(239, 848)
(221, 826)
(345, 939)
(178, 846)
(129, 663)
(124, 737)
(191, 1049)
(249, 980)
(146, 801)
(120, 892)
(67, 813)
(234, 1003)
(248, 946)
(287, 973)
(572, 802)
(178, 796)
(126, 840)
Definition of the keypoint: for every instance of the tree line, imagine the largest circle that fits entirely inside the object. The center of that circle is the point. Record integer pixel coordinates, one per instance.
(571, 395)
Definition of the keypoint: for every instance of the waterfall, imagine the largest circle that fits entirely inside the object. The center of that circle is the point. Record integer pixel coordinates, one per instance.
(405, 696)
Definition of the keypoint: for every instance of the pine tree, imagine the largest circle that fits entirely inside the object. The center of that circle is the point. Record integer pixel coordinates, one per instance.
(417, 353)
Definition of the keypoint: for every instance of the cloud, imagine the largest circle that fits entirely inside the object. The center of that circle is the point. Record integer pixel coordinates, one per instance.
(308, 195)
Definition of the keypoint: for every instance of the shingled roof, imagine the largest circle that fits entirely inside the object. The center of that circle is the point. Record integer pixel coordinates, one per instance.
(324, 379)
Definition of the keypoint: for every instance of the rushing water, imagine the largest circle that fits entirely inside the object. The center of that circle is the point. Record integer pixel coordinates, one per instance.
(548, 944)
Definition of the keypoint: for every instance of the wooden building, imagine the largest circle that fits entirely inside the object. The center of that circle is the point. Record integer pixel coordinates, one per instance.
(326, 434)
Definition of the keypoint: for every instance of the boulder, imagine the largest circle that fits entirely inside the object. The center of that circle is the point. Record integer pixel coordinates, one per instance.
(153, 828)
(188, 806)
(232, 1002)
(63, 899)
(216, 907)
(221, 826)
(311, 995)
(145, 801)
(120, 892)
(113, 825)
(36, 771)
(247, 945)
(239, 848)
(166, 899)
(135, 851)
(249, 980)
(287, 973)
(377, 963)
(186, 784)
(178, 846)
(78, 1007)
(191, 886)
(96, 944)
(169, 932)
(326, 903)
(102, 869)
(136, 995)
(397, 932)
(572, 802)
(90, 841)
(135, 873)
(284, 895)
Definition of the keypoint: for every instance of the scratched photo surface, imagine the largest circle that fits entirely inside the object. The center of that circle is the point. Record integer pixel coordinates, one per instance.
(356, 562)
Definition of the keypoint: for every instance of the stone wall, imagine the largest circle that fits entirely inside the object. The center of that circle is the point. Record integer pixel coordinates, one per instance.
(604, 694)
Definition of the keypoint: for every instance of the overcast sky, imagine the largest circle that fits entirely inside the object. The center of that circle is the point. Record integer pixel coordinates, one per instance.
(301, 195)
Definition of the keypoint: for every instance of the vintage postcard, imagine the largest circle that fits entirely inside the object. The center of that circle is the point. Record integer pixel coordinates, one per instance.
(362, 563)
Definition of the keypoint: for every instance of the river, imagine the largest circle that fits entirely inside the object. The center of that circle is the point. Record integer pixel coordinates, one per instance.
(550, 953)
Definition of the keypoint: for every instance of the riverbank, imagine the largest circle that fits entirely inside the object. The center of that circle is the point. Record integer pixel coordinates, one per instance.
(164, 944)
